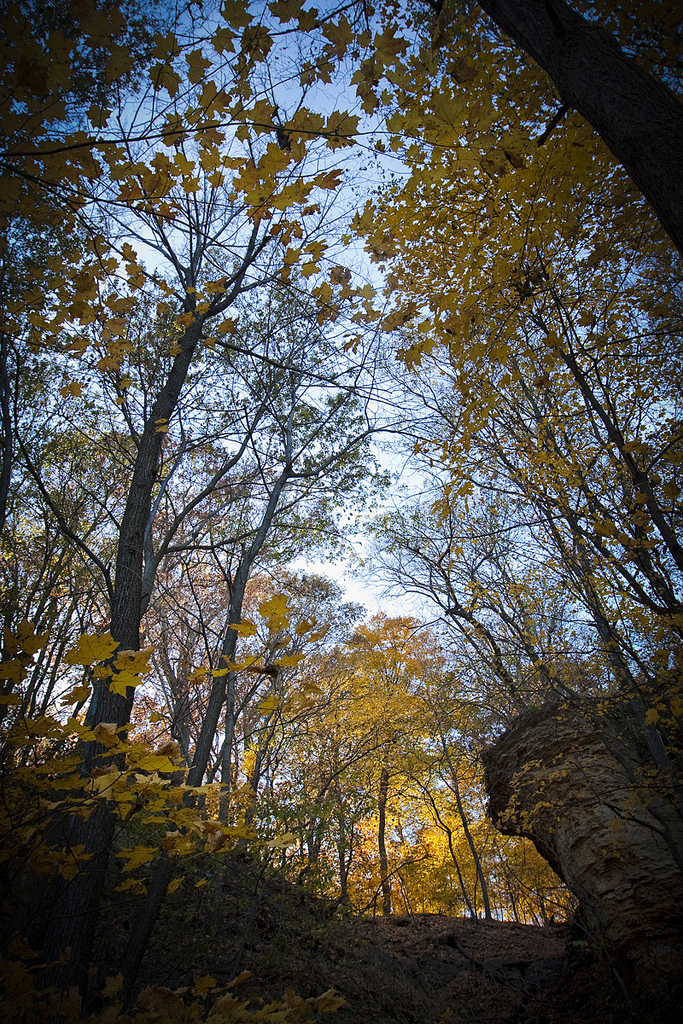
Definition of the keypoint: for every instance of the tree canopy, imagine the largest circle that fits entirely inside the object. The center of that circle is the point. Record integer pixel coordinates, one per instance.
(248, 253)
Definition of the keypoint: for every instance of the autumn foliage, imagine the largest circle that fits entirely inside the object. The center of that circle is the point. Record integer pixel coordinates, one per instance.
(210, 327)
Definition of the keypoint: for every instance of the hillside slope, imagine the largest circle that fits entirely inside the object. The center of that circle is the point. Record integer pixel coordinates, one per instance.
(407, 969)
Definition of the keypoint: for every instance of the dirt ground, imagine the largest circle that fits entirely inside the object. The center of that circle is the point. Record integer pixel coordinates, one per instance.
(420, 969)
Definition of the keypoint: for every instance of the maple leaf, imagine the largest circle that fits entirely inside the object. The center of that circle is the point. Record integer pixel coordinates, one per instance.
(388, 45)
(106, 733)
(91, 648)
(76, 695)
(120, 681)
(24, 638)
(282, 842)
(136, 856)
(136, 662)
(276, 612)
(101, 785)
(198, 65)
(340, 35)
(112, 986)
(243, 628)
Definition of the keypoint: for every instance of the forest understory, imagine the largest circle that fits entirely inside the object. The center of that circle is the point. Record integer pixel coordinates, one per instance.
(404, 968)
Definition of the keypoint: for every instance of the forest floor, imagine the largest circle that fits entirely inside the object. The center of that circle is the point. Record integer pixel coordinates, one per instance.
(408, 969)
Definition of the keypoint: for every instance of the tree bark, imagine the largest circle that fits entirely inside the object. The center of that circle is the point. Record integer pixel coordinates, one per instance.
(146, 918)
(5, 429)
(381, 842)
(468, 834)
(638, 118)
(577, 780)
(226, 753)
(74, 911)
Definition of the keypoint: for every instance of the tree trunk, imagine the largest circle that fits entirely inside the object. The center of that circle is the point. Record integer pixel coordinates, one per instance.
(449, 836)
(638, 118)
(74, 912)
(146, 918)
(5, 429)
(344, 867)
(144, 921)
(468, 834)
(381, 842)
(143, 924)
(344, 848)
(226, 759)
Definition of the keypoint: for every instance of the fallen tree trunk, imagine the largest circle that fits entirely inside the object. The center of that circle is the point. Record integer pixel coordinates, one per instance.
(580, 782)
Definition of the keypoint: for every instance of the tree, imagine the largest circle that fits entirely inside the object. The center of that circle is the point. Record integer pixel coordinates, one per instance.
(638, 117)
(560, 360)
(549, 390)
(191, 196)
(167, 265)
(630, 99)
(57, 62)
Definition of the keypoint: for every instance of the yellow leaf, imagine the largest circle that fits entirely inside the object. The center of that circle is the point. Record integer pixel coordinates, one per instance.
(26, 639)
(652, 716)
(228, 326)
(306, 625)
(155, 763)
(243, 628)
(106, 733)
(340, 35)
(269, 704)
(197, 65)
(388, 46)
(112, 986)
(12, 669)
(121, 680)
(244, 976)
(215, 287)
(204, 982)
(175, 884)
(275, 612)
(78, 694)
(101, 785)
(289, 660)
(223, 40)
(166, 46)
(164, 77)
(190, 185)
(281, 842)
(134, 885)
(136, 856)
(134, 661)
(91, 648)
(98, 116)
(184, 165)
(119, 63)
(319, 633)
